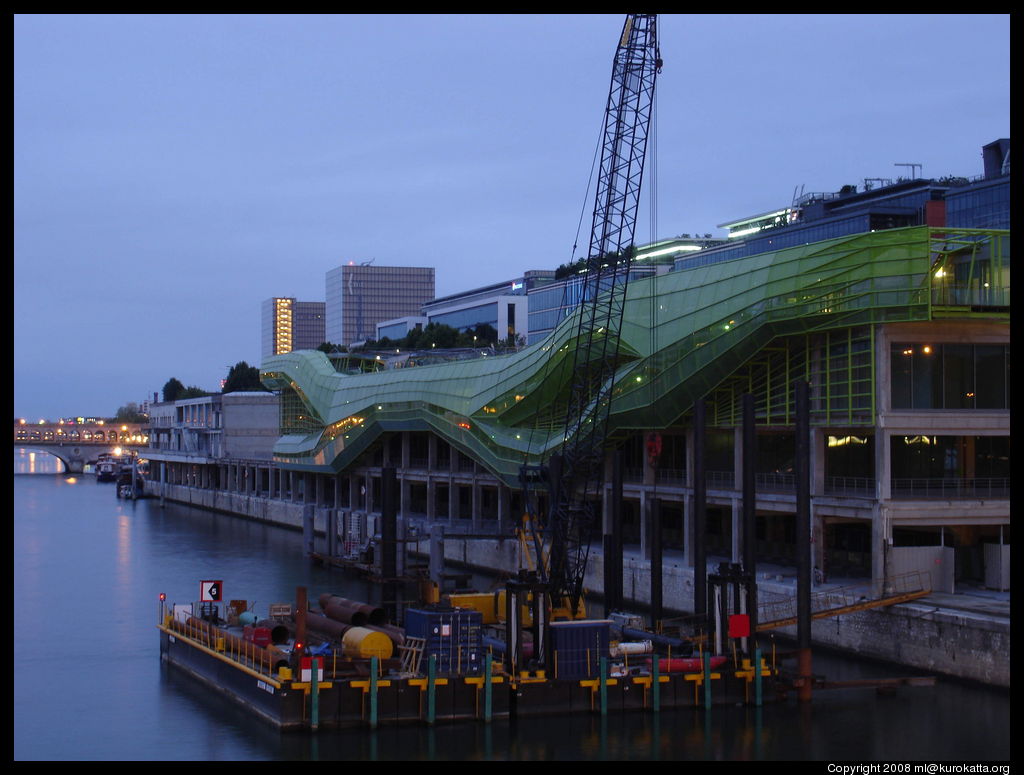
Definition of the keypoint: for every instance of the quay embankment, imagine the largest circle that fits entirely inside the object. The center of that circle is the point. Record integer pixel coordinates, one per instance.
(963, 635)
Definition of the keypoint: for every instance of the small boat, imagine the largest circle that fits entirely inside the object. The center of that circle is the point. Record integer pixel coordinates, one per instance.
(107, 468)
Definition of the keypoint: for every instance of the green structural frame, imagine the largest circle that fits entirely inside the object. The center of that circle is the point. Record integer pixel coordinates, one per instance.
(752, 324)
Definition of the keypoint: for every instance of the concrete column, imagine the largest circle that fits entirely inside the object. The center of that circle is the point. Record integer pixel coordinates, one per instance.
(475, 501)
(737, 458)
(320, 494)
(431, 498)
(431, 452)
(883, 465)
(817, 541)
(405, 451)
(645, 536)
(880, 542)
(819, 438)
(737, 530)
(688, 529)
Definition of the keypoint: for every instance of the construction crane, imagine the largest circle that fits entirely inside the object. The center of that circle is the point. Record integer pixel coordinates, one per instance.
(575, 473)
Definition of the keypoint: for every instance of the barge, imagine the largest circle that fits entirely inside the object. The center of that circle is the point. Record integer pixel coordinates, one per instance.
(299, 667)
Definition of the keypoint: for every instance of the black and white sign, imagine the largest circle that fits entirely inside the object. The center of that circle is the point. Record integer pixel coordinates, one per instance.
(211, 591)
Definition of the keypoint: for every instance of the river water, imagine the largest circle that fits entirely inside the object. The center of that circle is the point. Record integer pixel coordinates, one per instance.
(89, 685)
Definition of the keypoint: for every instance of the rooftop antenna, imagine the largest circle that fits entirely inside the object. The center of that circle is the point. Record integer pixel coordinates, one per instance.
(913, 168)
(797, 197)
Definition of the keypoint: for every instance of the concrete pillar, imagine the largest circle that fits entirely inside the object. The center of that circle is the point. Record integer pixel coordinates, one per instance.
(476, 503)
(881, 540)
(645, 536)
(817, 541)
(737, 458)
(688, 529)
(319, 490)
(819, 439)
(736, 553)
(883, 465)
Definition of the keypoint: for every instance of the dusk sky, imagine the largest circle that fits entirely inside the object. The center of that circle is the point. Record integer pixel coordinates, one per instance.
(172, 172)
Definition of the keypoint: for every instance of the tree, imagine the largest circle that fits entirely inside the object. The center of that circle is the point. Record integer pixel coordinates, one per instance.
(173, 389)
(130, 412)
(242, 376)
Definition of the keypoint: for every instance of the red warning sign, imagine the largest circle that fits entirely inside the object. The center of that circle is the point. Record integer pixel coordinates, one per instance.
(739, 626)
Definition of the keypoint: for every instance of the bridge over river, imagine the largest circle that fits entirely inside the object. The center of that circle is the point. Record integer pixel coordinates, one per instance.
(79, 444)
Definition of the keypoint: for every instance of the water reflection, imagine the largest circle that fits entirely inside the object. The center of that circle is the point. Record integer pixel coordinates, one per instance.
(88, 572)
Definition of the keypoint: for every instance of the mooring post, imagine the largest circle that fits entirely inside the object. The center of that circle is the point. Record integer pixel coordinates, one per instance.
(390, 498)
(707, 679)
(488, 692)
(431, 677)
(314, 694)
(802, 469)
(613, 587)
(757, 677)
(301, 604)
(604, 686)
(656, 683)
(750, 515)
(700, 512)
(308, 535)
(373, 692)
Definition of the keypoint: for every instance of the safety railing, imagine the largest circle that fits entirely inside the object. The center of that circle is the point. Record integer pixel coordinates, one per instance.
(776, 609)
(985, 487)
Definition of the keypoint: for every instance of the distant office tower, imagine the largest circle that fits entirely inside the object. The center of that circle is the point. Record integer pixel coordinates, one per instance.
(292, 325)
(359, 297)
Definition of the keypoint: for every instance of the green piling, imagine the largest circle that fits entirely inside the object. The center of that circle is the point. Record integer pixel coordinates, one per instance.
(604, 686)
(373, 692)
(314, 695)
(431, 676)
(757, 677)
(488, 692)
(656, 684)
(707, 680)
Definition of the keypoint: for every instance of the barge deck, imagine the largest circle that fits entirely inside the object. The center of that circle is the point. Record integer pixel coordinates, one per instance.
(293, 686)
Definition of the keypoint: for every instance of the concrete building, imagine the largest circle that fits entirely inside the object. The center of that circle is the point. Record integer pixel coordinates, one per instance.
(288, 324)
(221, 441)
(360, 296)
(902, 333)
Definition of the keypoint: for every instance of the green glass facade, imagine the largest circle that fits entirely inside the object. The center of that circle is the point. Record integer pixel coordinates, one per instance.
(751, 324)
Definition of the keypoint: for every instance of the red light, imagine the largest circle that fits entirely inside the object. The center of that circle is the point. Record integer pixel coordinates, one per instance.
(162, 597)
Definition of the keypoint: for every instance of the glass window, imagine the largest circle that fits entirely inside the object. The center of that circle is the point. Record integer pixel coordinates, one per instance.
(991, 370)
(949, 376)
(958, 376)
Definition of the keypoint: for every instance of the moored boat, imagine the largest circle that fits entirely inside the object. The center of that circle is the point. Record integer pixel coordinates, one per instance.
(107, 468)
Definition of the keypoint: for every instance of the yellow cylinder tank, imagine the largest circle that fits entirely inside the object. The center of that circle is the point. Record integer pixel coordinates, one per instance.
(361, 643)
